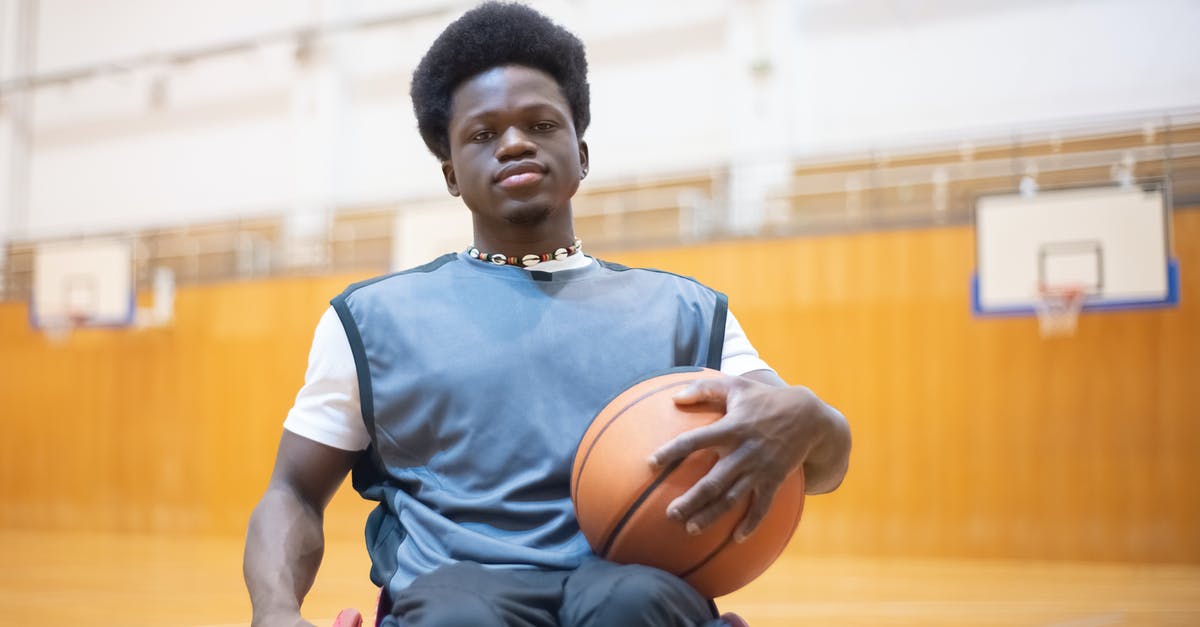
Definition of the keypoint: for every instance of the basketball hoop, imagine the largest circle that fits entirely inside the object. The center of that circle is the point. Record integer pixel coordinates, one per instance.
(58, 329)
(1058, 308)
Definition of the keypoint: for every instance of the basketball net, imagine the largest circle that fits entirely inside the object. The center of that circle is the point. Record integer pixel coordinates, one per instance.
(58, 329)
(1058, 308)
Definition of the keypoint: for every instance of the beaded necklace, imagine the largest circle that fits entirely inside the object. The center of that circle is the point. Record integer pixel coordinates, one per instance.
(528, 261)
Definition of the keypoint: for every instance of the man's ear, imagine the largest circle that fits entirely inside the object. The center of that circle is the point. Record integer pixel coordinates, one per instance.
(583, 159)
(451, 179)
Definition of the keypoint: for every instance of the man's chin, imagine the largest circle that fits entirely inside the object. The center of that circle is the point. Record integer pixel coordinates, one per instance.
(526, 216)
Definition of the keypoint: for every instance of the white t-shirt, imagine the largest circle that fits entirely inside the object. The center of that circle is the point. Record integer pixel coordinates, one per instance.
(327, 408)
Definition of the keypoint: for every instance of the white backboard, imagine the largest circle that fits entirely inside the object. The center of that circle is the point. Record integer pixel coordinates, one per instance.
(91, 282)
(1111, 242)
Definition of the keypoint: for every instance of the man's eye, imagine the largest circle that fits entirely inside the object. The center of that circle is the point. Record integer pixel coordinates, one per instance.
(544, 126)
(482, 136)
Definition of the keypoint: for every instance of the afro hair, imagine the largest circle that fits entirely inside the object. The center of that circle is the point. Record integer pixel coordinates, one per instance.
(491, 35)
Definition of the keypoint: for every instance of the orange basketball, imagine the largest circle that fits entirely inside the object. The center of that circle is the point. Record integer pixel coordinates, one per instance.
(621, 501)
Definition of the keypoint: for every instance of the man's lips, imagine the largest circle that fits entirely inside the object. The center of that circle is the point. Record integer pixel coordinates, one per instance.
(520, 174)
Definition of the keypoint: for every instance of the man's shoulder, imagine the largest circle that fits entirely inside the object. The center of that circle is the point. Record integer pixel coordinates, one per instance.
(666, 275)
(425, 269)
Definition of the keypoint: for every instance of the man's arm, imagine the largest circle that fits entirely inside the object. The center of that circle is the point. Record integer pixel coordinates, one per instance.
(770, 429)
(828, 460)
(286, 539)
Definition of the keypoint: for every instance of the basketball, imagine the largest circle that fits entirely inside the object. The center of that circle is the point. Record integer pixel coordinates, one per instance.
(621, 500)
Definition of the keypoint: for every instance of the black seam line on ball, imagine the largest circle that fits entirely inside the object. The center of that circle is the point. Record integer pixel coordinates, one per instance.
(608, 542)
(707, 558)
(613, 419)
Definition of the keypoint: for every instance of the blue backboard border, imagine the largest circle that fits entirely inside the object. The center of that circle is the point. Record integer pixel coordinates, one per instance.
(1170, 300)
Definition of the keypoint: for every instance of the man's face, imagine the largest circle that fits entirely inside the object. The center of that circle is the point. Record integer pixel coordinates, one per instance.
(514, 154)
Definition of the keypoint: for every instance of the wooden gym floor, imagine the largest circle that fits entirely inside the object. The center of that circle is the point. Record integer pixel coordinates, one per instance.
(136, 580)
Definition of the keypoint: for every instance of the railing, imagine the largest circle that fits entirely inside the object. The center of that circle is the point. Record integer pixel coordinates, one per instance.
(934, 184)
(938, 185)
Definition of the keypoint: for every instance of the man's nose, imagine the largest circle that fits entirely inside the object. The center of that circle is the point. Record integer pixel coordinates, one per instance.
(514, 144)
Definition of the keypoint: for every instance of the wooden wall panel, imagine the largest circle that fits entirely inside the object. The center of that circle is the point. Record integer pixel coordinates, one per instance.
(975, 437)
(170, 429)
(972, 437)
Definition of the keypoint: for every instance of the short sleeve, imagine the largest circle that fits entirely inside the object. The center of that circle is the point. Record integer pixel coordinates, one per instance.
(327, 408)
(739, 356)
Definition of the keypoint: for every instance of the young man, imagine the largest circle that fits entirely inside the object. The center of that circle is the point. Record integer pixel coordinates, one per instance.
(459, 390)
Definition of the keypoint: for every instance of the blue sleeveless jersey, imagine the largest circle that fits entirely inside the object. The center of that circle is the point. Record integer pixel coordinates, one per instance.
(477, 382)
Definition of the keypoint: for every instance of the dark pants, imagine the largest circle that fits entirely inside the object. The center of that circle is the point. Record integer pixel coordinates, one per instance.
(597, 594)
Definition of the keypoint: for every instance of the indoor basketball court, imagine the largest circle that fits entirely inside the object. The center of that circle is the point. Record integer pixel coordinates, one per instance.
(973, 228)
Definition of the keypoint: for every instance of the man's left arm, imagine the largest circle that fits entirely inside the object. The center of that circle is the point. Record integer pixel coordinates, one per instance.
(769, 430)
